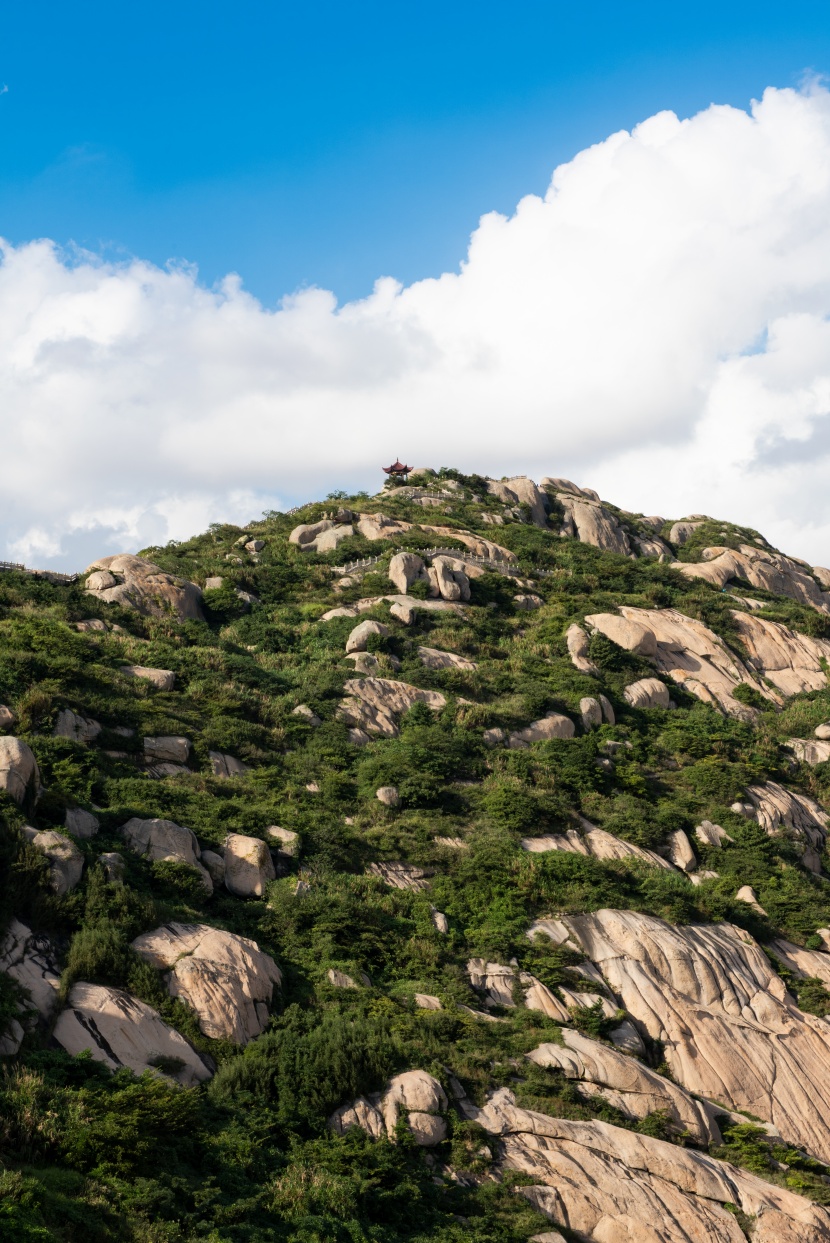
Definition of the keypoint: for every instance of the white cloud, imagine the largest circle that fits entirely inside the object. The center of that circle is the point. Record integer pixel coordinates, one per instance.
(656, 326)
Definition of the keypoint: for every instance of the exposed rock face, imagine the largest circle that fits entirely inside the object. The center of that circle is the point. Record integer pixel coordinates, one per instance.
(75, 728)
(730, 1030)
(406, 568)
(594, 842)
(627, 1084)
(164, 840)
(681, 531)
(577, 641)
(113, 865)
(226, 979)
(521, 491)
(806, 964)
(694, 657)
(225, 767)
(589, 522)
(167, 750)
(647, 693)
(380, 526)
(30, 961)
(780, 811)
(359, 637)
(339, 979)
(402, 607)
(653, 546)
(767, 571)
(627, 634)
(609, 1185)
(135, 583)
(81, 823)
(307, 713)
(66, 863)
(19, 775)
(433, 658)
(590, 710)
(162, 679)
(709, 834)
(554, 725)
(400, 875)
(248, 865)
(790, 660)
(679, 851)
(389, 796)
(809, 751)
(7, 717)
(496, 984)
(448, 579)
(414, 1091)
(373, 704)
(306, 535)
(119, 1030)
(288, 842)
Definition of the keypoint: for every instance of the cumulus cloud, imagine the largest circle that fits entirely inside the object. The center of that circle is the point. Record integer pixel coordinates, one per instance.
(655, 326)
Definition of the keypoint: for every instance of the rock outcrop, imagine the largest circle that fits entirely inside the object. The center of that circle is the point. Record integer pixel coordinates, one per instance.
(785, 812)
(373, 703)
(359, 637)
(791, 661)
(520, 490)
(226, 767)
(161, 679)
(808, 750)
(553, 725)
(766, 571)
(628, 1085)
(730, 1031)
(81, 824)
(119, 1030)
(577, 643)
(226, 979)
(594, 842)
(248, 865)
(610, 1185)
(165, 841)
(76, 728)
(19, 775)
(416, 1094)
(586, 519)
(29, 959)
(647, 693)
(66, 863)
(136, 583)
(434, 658)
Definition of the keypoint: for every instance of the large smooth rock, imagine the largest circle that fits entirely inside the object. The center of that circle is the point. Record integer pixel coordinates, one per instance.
(226, 767)
(520, 490)
(248, 865)
(305, 535)
(791, 661)
(119, 1030)
(162, 679)
(66, 863)
(590, 523)
(19, 775)
(28, 957)
(421, 1095)
(372, 704)
(709, 834)
(730, 1031)
(610, 1185)
(400, 875)
(165, 841)
(647, 693)
(767, 571)
(167, 750)
(80, 823)
(7, 717)
(76, 728)
(628, 1085)
(594, 842)
(406, 568)
(627, 634)
(679, 851)
(227, 979)
(553, 725)
(359, 637)
(496, 984)
(783, 812)
(143, 586)
(681, 531)
(590, 710)
(434, 658)
(577, 642)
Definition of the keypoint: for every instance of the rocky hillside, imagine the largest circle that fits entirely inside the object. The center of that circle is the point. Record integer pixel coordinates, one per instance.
(443, 865)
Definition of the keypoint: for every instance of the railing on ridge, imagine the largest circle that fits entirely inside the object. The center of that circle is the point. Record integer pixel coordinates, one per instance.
(52, 575)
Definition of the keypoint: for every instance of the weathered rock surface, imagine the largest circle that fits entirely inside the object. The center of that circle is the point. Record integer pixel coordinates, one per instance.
(66, 863)
(553, 725)
(694, 657)
(248, 865)
(679, 851)
(113, 866)
(577, 642)
(730, 1030)
(76, 728)
(627, 1084)
(400, 875)
(596, 843)
(373, 703)
(406, 568)
(226, 979)
(19, 775)
(119, 1030)
(164, 840)
(359, 637)
(767, 571)
(400, 606)
(647, 693)
(806, 964)
(521, 491)
(7, 717)
(589, 522)
(791, 661)
(287, 841)
(80, 823)
(31, 962)
(414, 1092)
(681, 531)
(433, 658)
(166, 750)
(610, 1185)
(809, 750)
(709, 834)
(226, 767)
(136, 583)
(785, 812)
(627, 634)
(497, 985)
(388, 795)
(162, 679)
(590, 710)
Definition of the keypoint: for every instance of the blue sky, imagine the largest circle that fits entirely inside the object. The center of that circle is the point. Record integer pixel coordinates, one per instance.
(329, 144)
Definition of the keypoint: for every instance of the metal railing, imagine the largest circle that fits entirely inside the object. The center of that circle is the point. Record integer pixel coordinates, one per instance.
(54, 576)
